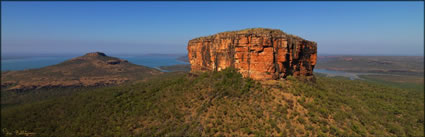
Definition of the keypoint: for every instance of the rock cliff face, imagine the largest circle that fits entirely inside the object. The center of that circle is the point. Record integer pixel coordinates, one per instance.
(258, 53)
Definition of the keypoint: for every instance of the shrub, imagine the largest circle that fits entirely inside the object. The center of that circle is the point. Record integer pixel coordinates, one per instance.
(301, 120)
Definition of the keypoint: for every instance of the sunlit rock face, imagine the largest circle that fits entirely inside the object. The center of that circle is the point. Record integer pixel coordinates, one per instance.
(259, 53)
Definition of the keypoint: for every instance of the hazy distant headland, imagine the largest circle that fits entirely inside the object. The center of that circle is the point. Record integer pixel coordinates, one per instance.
(32, 60)
(6, 56)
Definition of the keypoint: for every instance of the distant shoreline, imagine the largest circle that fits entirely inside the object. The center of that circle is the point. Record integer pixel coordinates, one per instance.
(18, 63)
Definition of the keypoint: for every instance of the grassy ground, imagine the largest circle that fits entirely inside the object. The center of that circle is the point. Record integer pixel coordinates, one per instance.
(224, 103)
(415, 83)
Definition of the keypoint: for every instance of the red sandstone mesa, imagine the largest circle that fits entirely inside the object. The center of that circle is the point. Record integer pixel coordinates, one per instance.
(258, 53)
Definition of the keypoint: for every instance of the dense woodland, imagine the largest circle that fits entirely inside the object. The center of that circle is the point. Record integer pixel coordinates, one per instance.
(218, 103)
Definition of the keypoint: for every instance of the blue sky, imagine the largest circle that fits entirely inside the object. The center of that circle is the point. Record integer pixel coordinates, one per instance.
(361, 28)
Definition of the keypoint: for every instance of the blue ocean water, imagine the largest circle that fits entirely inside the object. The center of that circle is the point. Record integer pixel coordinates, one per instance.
(39, 62)
(153, 61)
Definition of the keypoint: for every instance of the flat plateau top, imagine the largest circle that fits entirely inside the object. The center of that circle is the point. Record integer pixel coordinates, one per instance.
(262, 32)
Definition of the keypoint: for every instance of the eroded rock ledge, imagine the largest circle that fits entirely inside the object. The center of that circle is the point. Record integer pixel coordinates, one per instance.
(258, 53)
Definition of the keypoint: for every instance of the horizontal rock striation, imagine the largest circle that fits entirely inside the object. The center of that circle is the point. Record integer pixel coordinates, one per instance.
(259, 53)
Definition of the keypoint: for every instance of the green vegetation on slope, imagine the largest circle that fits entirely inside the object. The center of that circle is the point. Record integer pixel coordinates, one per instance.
(224, 103)
(405, 82)
(10, 98)
(178, 67)
(363, 108)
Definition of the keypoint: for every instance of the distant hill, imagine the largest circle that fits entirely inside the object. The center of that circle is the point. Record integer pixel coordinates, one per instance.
(183, 58)
(397, 65)
(92, 69)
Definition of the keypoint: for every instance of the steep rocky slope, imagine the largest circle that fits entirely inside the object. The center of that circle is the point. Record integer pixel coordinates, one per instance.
(92, 69)
(258, 53)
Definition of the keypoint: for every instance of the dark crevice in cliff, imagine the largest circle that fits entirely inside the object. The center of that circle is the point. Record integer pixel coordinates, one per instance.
(275, 50)
(232, 53)
(206, 56)
(287, 63)
(287, 66)
(249, 59)
(216, 61)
